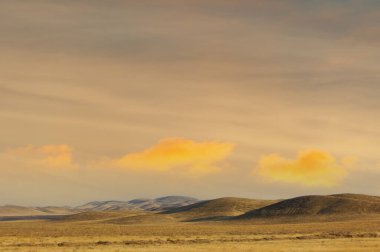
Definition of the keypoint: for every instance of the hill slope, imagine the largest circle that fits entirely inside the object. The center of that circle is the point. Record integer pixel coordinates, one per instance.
(99, 215)
(10, 210)
(338, 204)
(158, 204)
(217, 208)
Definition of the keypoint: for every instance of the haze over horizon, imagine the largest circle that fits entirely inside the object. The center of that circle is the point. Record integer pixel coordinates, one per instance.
(127, 99)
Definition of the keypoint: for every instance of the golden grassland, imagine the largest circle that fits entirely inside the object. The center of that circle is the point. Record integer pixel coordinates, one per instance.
(346, 234)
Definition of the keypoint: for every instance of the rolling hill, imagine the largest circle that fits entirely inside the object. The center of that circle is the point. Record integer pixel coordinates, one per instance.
(158, 204)
(123, 217)
(179, 208)
(10, 210)
(142, 218)
(99, 215)
(315, 205)
(217, 208)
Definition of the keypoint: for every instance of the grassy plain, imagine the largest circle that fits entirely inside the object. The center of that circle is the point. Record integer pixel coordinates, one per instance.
(346, 234)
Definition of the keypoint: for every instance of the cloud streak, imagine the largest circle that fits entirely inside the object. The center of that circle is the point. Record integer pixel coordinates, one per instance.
(178, 154)
(51, 156)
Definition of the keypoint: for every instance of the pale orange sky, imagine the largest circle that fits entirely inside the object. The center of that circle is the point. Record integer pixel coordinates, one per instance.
(121, 99)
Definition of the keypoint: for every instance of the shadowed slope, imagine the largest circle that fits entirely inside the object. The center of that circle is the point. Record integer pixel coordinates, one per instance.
(118, 217)
(217, 208)
(99, 215)
(338, 204)
(146, 218)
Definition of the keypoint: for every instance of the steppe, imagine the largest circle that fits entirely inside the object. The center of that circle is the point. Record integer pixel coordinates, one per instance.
(343, 222)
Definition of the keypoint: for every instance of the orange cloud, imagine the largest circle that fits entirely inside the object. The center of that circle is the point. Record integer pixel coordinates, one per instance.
(311, 168)
(196, 158)
(55, 156)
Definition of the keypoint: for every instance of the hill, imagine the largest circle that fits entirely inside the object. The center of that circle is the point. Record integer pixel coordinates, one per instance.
(316, 205)
(124, 217)
(158, 204)
(10, 210)
(142, 218)
(217, 208)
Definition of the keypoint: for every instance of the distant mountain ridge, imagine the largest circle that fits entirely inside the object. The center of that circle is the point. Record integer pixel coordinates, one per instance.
(143, 204)
(181, 208)
(158, 204)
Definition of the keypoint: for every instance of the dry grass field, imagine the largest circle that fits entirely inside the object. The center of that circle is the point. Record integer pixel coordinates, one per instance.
(105, 234)
(310, 223)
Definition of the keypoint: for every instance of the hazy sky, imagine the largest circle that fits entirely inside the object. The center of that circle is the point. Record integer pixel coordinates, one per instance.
(121, 99)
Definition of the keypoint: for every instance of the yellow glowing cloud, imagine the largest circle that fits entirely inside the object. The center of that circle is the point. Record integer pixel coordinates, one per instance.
(311, 168)
(179, 154)
(55, 156)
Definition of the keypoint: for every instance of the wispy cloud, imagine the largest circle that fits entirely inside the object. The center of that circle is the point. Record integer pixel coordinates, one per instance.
(51, 156)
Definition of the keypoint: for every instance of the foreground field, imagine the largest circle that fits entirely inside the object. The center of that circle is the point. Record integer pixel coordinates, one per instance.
(359, 244)
(261, 235)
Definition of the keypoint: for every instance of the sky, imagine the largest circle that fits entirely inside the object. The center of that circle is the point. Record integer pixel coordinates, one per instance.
(122, 99)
